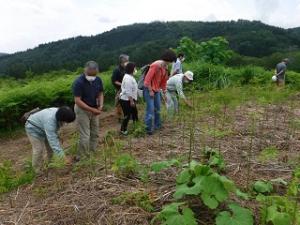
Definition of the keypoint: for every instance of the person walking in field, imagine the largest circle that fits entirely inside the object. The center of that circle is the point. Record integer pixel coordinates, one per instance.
(156, 80)
(280, 71)
(177, 66)
(128, 97)
(174, 88)
(42, 130)
(89, 99)
(116, 79)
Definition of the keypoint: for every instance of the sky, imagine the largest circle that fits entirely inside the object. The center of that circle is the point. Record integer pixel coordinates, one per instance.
(25, 24)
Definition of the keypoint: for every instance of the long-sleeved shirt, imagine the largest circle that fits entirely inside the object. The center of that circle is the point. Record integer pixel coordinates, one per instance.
(177, 67)
(43, 125)
(175, 84)
(129, 88)
(156, 77)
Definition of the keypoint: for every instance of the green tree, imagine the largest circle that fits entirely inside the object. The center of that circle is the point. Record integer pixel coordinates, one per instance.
(215, 50)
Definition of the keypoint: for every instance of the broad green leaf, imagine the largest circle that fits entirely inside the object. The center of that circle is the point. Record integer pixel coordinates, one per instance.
(176, 214)
(202, 170)
(183, 189)
(213, 187)
(263, 187)
(237, 216)
(188, 216)
(184, 176)
(278, 218)
(241, 194)
(228, 184)
(209, 201)
(171, 208)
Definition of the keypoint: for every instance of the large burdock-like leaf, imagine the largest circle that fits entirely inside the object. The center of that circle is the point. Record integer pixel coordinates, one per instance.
(237, 216)
(278, 218)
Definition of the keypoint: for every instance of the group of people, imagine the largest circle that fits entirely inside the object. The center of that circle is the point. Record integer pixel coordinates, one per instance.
(158, 84)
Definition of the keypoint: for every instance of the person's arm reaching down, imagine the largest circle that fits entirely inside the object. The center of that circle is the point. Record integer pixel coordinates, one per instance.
(181, 94)
(100, 100)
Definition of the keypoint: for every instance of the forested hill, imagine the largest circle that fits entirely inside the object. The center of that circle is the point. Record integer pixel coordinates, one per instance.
(144, 42)
(296, 31)
(2, 54)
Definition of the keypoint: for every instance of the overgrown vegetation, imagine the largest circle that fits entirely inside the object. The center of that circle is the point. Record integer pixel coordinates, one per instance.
(11, 179)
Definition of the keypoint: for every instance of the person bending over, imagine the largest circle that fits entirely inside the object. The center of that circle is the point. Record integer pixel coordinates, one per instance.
(42, 130)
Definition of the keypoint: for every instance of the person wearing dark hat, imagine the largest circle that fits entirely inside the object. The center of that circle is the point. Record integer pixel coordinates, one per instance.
(88, 94)
(42, 130)
(116, 80)
(280, 71)
(156, 80)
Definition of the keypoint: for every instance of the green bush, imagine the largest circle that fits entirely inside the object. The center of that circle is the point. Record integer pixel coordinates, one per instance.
(49, 90)
(208, 76)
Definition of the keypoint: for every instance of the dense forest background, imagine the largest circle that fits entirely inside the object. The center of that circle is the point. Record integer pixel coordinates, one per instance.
(252, 41)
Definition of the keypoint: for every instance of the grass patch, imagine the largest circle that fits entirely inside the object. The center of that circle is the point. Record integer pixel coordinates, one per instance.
(268, 154)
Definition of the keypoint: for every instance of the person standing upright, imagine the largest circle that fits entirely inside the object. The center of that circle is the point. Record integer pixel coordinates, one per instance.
(116, 79)
(177, 66)
(156, 80)
(280, 71)
(89, 99)
(128, 97)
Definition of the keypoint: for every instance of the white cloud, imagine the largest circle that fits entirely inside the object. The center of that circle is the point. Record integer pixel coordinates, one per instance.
(27, 23)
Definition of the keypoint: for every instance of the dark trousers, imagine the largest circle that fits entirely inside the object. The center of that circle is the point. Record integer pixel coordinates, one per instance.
(129, 112)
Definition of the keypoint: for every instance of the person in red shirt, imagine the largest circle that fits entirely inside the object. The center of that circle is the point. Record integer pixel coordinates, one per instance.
(155, 82)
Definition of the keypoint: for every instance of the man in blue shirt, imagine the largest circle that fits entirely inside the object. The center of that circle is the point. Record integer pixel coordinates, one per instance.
(42, 130)
(89, 98)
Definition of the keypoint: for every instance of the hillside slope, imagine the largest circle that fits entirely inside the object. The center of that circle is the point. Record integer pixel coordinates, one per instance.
(144, 43)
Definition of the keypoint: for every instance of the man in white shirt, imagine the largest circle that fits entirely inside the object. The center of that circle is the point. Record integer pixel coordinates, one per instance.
(177, 66)
(174, 88)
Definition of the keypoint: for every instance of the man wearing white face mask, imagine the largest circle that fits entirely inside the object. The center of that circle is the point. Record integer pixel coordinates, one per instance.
(174, 88)
(89, 98)
(177, 66)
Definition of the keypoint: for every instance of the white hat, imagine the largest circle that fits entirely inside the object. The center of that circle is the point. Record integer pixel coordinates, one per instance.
(189, 75)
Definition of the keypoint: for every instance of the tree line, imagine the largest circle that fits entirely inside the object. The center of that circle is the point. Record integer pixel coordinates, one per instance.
(144, 43)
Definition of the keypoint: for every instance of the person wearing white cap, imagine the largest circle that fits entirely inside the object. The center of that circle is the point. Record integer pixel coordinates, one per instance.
(174, 88)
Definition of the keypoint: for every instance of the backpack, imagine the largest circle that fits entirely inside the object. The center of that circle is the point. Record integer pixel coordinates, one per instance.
(26, 115)
(145, 70)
